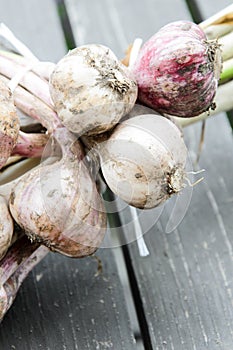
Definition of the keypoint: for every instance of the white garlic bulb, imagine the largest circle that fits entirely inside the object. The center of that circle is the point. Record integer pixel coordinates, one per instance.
(143, 161)
(91, 89)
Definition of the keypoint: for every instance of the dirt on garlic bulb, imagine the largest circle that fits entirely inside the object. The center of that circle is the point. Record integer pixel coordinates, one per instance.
(91, 89)
(177, 70)
(58, 204)
(143, 161)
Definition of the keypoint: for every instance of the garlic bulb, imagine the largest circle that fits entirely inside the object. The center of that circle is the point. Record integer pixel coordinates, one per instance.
(58, 204)
(9, 123)
(6, 227)
(91, 89)
(143, 161)
(177, 70)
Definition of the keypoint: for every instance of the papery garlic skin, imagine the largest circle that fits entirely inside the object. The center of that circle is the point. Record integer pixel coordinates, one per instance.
(6, 227)
(143, 161)
(91, 89)
(9, 123)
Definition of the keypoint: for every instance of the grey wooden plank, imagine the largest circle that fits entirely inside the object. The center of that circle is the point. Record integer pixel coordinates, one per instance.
(37, 24)
(186, 283)
(65, 305)
(116, 23)
(62, 304)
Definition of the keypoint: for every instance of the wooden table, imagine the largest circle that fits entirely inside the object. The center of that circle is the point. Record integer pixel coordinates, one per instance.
(180, 297)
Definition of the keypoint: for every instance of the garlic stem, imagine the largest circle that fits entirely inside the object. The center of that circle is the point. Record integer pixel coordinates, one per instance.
(16, 255)
(15, 57)
(28, 264)
(12, 160)
(15, 80)
(32, 255)
(226, 46)
(134, 51)
(29, 81)
(221, 17)
(34, 107)
(220, 27)
(7, 34)
(13, 172)
(30, 145)
(143, 250)
(42, 68)
(227, 71)
(218, 30)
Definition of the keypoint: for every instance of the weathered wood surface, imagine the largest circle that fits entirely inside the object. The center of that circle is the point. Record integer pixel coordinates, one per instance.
(64, 303)
(37, 24)
(184, 288)
(185, 285)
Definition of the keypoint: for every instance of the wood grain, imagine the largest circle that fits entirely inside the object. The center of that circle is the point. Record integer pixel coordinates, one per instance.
(66, 304)
(186, 282)
(185, 285)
